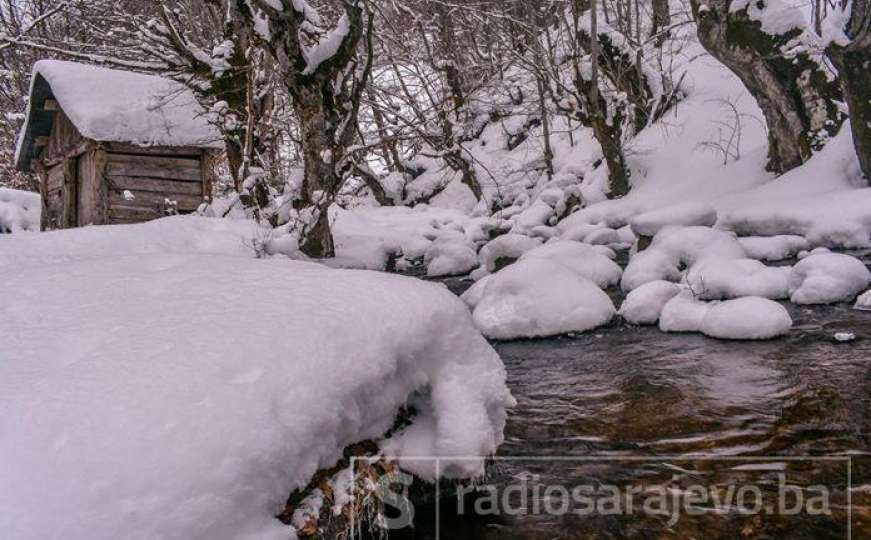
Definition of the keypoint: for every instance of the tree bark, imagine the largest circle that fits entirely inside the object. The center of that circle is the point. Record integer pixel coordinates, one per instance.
(794, 92)
(854, 67)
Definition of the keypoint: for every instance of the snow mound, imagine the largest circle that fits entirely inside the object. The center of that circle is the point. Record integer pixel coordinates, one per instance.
(750, 317)
(585, 260)
(825, 278)
(185, 396)
(450, 255)
(747, 318)
(19, 210)
(508, 246)
(683, 313)
(773, 248)
(537, 297)
(644, 304)
(675, 248)
(684, 215)
(864, 301)
(719, 279)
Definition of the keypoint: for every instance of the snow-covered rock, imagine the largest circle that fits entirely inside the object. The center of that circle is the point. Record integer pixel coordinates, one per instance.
(863, 303)
(747, 318)
(644, 304)
(580, 231)
(538, 297)
(825, 278)
(507, 246)
(773, 248)
(683, 313)
(719, 279)
(169, 395)
(19, 210)
(450, 255)
(750, 317)
(676, 248)
(585, 260)
(684, 215)
(603, 236)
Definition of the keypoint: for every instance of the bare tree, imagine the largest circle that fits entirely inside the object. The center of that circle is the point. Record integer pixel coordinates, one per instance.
(850, 55)
(325, 77)
(792, 87)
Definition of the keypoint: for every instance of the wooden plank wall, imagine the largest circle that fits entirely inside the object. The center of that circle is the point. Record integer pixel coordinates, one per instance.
(151, 180)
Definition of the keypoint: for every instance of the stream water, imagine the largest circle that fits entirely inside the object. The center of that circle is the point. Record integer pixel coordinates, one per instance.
(629, 407)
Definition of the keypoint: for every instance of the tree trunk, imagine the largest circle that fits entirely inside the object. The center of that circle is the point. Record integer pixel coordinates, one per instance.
(794, 93)
(854, 67)
(321, 182)
(661, 20)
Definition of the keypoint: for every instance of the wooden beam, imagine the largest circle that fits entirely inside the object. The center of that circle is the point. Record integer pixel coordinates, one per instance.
(51, 105)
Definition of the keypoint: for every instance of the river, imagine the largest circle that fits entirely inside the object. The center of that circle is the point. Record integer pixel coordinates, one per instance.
(673, 415)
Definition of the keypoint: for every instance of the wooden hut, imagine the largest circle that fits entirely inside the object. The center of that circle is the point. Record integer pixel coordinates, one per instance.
(112, 146)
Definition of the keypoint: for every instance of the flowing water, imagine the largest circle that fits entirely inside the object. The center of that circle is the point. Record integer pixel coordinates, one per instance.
(670, 415)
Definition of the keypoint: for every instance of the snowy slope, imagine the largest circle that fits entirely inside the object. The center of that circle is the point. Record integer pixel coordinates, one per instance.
(149, 393)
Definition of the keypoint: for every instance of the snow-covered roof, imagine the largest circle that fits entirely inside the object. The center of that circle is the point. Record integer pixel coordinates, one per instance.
(111, 105)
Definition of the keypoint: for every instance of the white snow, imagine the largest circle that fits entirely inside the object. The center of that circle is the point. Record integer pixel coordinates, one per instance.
(159, 382)
(825, 278)
(537, 297)
(507, 246)
(721, 279)
(773, 248)
(585, 260)
(746, 318)
(686, 214)
(113, 105)
(450, 255)
(675, 248)
(327, 47)
(19, 210)
(644, 304)
(863, 303)
(683, 313)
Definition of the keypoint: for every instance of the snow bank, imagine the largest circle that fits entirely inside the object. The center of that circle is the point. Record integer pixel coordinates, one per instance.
(537, 297)
(175, 234)
(825, 278)
(19, 210)
(644, 304)
(686, 214)
(166, 395)
(585, 260)
(747, 318)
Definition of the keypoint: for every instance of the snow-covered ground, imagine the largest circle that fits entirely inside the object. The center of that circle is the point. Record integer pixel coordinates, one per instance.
(158, 381)
(19, 211)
